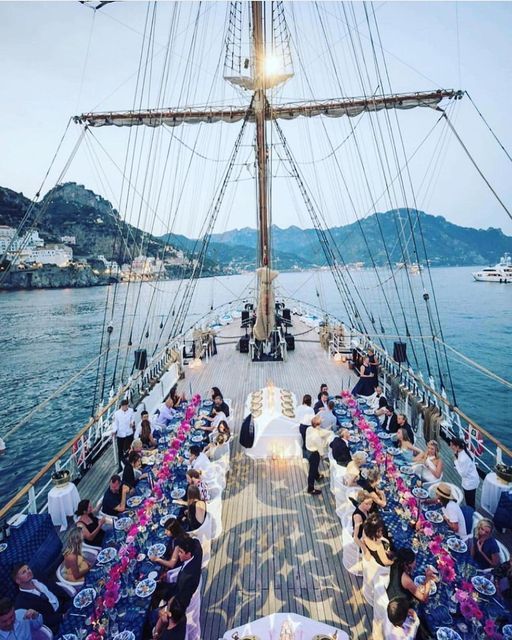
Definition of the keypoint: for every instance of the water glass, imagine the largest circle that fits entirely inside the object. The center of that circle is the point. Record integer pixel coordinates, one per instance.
(403, 523)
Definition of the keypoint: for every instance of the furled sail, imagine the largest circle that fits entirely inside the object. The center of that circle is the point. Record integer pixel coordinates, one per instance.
(335, 108)
(265, 313)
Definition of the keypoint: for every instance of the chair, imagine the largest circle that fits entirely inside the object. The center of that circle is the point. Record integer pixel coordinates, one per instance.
(380, 607)
(204, 535)
(504, 552)
(90, 554)
(110, 520)
(468, 513)
(372, 574)
(215, 511)
(43, 633)
(351, 553)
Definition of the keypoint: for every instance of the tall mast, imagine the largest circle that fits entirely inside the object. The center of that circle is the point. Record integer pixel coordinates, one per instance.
(260, 107)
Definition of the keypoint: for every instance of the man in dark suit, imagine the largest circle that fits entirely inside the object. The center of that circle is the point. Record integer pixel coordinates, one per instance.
(323, 399)
(390, 420)
(340, 449)
(34, 594)
(402, 423)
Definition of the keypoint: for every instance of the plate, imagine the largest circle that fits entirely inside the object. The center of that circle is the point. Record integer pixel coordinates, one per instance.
(369, 412)
(507, 631)
(145, 587)
(153, 575)
(419, 492)
(69, 636)
(384, 435)
(157, 550)
(419, 580)
(164, 519)
(141, 557)
(123, 524)
(434, 516)
(106, 555)
(3, 546)
(124, 635)
(207, 403)
(163, 440)
(409, 471)
(149, 461)
(346, 423)
(483, 585)
(197, 438)
(445, 633)
(178, 493)
(394, 451)
(134, 501)
(84, 598)
(354, 438)
(456, 544)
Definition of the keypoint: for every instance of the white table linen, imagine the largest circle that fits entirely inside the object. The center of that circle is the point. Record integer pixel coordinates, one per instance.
(270, 627)
(492, 488)
(62, 502)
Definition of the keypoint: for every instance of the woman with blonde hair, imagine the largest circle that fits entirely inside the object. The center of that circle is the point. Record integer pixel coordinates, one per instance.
(364, 503)
(354, 468)
(484, 547)
(370, 483)
(75, 564)
(429, 463)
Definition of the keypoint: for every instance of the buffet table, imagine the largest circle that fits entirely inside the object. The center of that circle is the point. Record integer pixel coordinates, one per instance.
(276, 431)
(271, 626)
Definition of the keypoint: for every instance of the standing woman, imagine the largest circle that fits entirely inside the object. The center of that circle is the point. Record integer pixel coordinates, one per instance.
(366, 383)
(364, 505)
(374, 364)
(467, 470)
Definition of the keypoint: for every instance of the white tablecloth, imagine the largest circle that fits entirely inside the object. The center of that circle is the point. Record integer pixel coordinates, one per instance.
(62, 502)
(492, 488)
(275, 435)
(269, 628)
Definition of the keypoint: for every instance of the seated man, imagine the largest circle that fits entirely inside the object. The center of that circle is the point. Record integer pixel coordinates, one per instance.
(390, 423)
(218, 406)
(22, 624)
(340, 449)
(401, 421)
(166, 413)
(378, 401)
(199, 460)
(402, 622)
(35, 595)
(327, 417)
(112, 499)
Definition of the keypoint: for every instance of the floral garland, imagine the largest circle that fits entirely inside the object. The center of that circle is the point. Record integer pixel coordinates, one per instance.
(465, 595)
(142, 518)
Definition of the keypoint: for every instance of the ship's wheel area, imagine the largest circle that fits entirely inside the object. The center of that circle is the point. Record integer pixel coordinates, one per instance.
(280, 341)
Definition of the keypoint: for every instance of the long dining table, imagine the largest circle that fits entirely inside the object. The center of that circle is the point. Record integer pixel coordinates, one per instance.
(129, 612)
(454, 599)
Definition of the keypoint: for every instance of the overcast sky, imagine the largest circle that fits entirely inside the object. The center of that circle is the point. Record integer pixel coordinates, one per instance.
(61, 58)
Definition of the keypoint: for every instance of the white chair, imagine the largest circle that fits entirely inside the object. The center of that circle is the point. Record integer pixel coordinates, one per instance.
(456, 492)
(215, 511)
(90, 554)
(109, 519)
(204, 535)
(372, 573)
(380, 606)
(43, 633)
(351, 553)
(504, 552)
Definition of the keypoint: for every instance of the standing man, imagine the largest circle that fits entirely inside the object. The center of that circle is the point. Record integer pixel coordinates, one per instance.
(327, 418)
(304, 413)
(466, 468)
(317, 440)
(124, 428)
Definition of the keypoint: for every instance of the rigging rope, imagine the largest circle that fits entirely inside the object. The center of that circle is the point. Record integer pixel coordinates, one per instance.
(489, 127)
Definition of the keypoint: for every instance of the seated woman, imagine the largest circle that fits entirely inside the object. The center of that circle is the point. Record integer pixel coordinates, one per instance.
(354, 468)
(370, 483)
(404, 443)
(430, 464)
(194, 478)
(502, 575)
(90, 525)
(222, 428)
(196, 509)
(212, 450)
(401, 583)
(131, 475)
(171, 623)
(75, 564)
(484, 548)
(374, 543)
(360, 514)
(402, 622)
(174, 531)
(214, 419)
(146, 437)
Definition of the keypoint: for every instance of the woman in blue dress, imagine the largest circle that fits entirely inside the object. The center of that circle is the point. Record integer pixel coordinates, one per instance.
(366, 384)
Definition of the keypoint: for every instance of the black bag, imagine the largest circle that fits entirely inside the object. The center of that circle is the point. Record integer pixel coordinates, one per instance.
(247, 432)
(503, 515)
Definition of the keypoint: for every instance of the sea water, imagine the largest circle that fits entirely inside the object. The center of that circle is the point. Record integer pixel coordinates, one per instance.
(48, 336)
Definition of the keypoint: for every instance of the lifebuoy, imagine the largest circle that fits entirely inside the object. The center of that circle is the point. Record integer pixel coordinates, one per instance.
(474, 441)
(80, 452)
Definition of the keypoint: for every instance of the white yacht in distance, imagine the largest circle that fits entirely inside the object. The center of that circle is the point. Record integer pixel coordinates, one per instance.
(501, 272)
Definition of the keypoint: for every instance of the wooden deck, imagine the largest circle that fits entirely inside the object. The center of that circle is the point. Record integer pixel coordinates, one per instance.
(281, 548)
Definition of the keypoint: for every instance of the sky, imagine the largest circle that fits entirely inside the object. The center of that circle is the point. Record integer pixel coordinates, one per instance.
(58, 59)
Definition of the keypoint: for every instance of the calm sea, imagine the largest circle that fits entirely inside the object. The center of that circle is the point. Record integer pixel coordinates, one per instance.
(48, 336)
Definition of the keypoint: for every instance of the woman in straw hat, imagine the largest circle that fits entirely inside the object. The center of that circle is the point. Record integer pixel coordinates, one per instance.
(452, 513)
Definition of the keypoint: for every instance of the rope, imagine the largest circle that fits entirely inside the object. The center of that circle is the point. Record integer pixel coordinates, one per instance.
(489, 127)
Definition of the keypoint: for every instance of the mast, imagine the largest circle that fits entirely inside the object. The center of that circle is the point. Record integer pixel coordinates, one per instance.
(260, 107)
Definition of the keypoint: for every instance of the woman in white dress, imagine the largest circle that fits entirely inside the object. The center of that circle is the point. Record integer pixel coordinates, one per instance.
(429, 464)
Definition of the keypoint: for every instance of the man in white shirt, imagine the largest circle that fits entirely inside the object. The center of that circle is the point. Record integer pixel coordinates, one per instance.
(452, 513)
(21, 624)
(124, 427)
(402, 623)
(327, 417)
(166, 413)
(317, 440)
(200, 461)
(35, 595)
(378, 401)
(467, 470)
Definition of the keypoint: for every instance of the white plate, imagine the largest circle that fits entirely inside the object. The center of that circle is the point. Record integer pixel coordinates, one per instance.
(419, 492)
(157, 550)
(124, 635)
(483, 585)
(123, 524)
(145, 588)
(394, 451)
(419, 580)
(445, 633)
(197, 438)
(369, 412)
(134, 501)
(69, 636)
(354, 438)
(346, 423)
(434, 516)
(507, 631)
(408, 470)
(164, 519)
(178, 493)
(84, 598)
(106, 555)
(384, 435)
(163, 440)
(3, 546)
(153, 575)
(149, 461)
(456, 544)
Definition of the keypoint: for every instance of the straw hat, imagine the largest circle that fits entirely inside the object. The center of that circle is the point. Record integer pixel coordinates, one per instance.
(444, 491)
